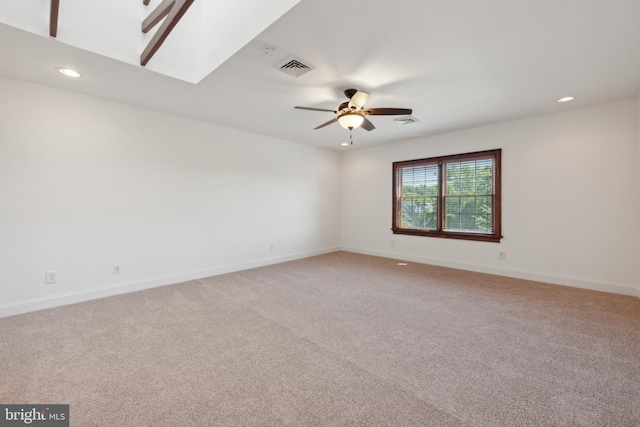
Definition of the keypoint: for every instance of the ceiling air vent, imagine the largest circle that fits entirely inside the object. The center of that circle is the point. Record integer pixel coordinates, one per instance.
(294, 66)
(406, 120)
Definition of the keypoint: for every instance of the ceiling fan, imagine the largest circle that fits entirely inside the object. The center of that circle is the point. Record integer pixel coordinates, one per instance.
(351, 113)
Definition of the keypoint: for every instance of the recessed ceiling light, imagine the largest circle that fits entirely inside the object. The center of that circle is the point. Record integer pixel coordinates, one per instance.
(344, 144)
(69, 72)
(566, 99)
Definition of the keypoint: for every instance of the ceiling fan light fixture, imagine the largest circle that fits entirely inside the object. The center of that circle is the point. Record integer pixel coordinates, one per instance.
(358, 100)
(351, 120)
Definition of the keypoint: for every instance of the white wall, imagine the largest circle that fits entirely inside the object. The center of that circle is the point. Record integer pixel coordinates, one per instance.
(571, 199)
(87, 183)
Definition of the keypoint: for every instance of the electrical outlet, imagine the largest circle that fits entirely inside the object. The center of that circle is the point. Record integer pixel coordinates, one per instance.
(393, 243)
(50, 277)
(272, 247)
(116, 269)
(502, 255)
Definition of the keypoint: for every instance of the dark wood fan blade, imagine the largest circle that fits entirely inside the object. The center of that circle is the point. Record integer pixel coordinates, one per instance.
(367, 125)
(326, 124)
(316, 109)
(388, 111)
(350, 92)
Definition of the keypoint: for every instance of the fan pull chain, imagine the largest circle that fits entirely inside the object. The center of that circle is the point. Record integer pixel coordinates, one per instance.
(351, 135)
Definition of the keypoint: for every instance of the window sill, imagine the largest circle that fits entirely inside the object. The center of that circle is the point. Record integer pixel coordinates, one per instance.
(449, 234)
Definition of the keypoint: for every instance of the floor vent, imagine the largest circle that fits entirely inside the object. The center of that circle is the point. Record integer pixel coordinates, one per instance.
(294, 66)
(406, 120)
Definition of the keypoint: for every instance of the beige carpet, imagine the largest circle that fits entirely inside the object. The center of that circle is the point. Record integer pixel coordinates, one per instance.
(335, 340)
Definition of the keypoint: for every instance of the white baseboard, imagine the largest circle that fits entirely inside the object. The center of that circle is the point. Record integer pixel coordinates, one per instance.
(556, 279)
(25, 306)
(34, 304)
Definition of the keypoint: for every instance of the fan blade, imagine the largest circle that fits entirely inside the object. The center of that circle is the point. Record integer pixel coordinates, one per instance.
(350, 92)
(358, 99)
(327, 124)
(367, 125)
(388, 111)
(316, 109)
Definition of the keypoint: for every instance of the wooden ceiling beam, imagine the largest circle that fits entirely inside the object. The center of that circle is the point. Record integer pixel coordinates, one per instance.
(172, 11)
(156, 16)
(53, 18)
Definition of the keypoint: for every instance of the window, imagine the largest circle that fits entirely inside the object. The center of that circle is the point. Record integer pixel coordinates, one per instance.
(452, 196)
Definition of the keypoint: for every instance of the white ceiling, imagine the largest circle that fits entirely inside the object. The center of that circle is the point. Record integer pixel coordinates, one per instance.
(457, 63)
(207, 35)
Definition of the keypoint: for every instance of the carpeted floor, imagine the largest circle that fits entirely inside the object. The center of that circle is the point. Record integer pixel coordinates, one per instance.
(335, 340)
